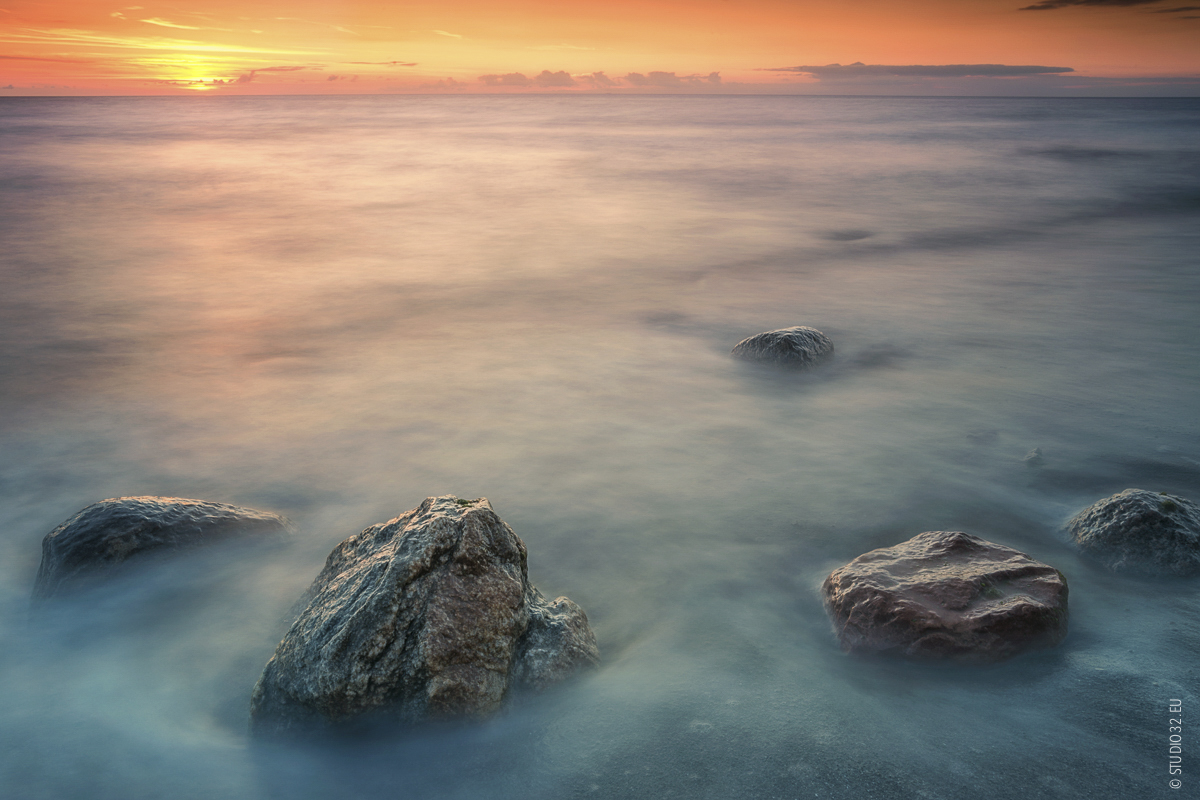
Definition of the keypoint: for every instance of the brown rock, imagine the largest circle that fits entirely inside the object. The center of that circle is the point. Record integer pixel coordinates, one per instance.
(946, 594)
(430, 615)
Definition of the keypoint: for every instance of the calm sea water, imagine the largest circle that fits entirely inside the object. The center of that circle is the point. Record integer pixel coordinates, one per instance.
(334, 307)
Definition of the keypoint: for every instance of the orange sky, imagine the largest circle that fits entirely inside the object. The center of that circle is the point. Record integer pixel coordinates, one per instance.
(311, 46)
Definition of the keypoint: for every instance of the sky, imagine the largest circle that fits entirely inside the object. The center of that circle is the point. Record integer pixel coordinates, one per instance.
(897, 47)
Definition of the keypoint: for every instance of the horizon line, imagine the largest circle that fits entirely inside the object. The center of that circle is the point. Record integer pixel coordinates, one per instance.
(599, 94)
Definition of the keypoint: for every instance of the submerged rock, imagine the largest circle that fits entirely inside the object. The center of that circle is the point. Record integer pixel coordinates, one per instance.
(430, 615)
(94, 542)
(799, 347)
(946, 594)
(1141, 532)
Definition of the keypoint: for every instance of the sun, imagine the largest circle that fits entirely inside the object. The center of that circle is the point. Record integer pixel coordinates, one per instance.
(190, 71)
(205, 84)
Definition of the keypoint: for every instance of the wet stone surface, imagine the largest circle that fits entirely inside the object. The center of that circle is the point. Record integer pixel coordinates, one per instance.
(799, 347)
(428, 616)
(1141, 532)
(91, 546)
(946, 594)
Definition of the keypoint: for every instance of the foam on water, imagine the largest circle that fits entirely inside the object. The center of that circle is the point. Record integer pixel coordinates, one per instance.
(333, 307)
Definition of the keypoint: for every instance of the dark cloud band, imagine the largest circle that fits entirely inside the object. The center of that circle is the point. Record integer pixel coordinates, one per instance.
(1051, 5)
(859, 69)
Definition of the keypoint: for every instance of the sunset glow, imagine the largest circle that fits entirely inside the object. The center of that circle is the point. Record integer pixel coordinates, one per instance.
(269, 47)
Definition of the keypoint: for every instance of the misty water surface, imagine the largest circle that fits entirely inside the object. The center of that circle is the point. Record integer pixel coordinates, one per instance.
(332, 308)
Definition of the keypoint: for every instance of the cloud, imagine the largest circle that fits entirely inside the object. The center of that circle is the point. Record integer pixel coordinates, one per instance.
(163, 23)
(63, 36)
(331, 26)
(548, 78)
(664, 79)
(561, 47)
(861, 70)
(1051, 5)
(511, 79)
(166, 24)
(186, 82)
(667, 80)
(451, 35)
(385, 63)
(598, 80)
(250, 76)
(1180, 10)
(444, 83)
(35, 58)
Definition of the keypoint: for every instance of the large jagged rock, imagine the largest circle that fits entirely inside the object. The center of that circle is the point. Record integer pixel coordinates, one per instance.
(946, 594)
(92, 544)
(430, 615)
(797, 347)
(1141, 532)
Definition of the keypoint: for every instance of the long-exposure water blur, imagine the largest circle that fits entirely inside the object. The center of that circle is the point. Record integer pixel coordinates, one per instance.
(334, 307)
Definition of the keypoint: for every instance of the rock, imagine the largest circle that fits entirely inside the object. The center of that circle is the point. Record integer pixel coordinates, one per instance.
(92, 544)
(1143, 532)
(430, 615)
(946, 594)
(798, 347)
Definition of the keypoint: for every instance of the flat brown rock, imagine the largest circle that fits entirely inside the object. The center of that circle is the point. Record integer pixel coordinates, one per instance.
(430, 615)
(946, 594)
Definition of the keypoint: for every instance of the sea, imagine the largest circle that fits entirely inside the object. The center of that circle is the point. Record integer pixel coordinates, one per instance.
(334, 307)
